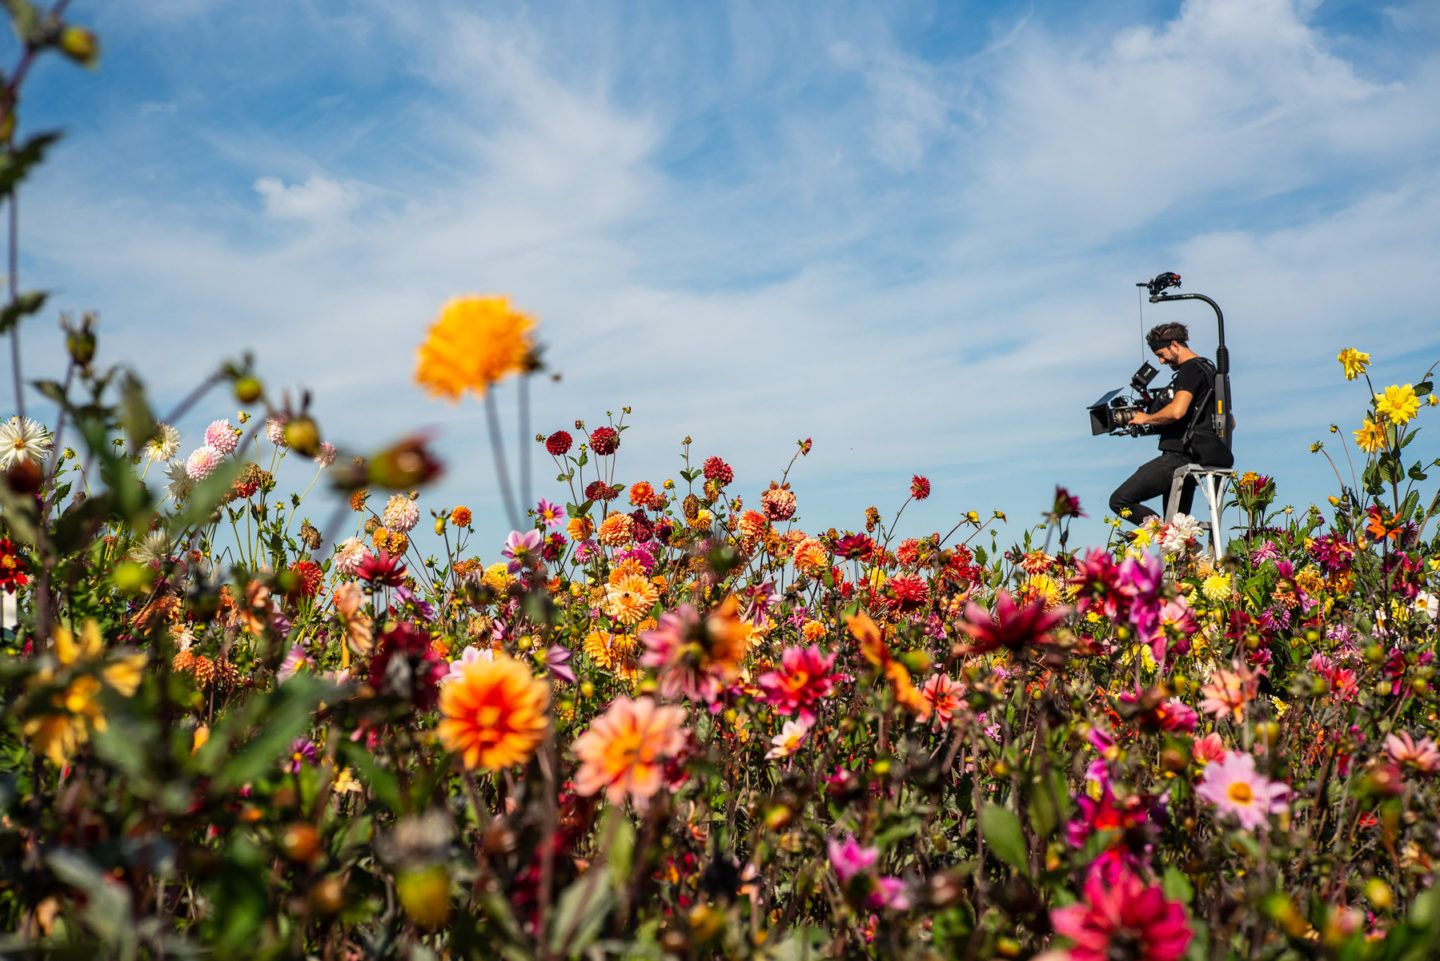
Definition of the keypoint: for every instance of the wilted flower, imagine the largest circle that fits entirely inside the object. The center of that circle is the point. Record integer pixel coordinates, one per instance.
(1353, 362)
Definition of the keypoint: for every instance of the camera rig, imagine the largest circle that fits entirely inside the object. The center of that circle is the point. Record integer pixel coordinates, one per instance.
(1112, 413)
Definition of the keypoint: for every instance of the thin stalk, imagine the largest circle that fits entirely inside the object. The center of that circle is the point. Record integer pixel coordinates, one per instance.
(502, 473)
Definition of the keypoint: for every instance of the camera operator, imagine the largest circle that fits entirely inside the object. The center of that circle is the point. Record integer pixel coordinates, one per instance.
(1187, 433)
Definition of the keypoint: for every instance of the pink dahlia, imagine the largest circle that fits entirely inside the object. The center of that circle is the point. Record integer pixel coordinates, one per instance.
(401, 513)
(1011, 626)
(944, 696)
(1126, 919)
(202, 462)
(221, 436)
(1422, 755)
(349, 553)
(1234, 786)
(275, 429)
(804, 677)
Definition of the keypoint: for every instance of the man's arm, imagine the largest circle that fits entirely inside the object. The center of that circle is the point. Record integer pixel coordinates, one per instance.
(1169, 414)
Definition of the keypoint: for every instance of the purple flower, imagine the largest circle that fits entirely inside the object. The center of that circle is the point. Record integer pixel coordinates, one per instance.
(302, 752)
(552, 514)
(557, 658)
(586, 551)
(521, 547)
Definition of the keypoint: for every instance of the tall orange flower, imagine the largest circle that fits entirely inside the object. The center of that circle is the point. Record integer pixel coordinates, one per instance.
(494, 714)
(475, 342)
(624, 750)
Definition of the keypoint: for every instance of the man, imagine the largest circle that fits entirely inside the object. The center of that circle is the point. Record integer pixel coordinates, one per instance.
(1187, 432)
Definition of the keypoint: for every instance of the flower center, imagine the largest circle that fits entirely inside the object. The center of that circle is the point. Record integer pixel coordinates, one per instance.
(1240, 793)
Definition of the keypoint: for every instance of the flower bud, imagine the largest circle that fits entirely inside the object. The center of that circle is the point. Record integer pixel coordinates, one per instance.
(302, 435)
(248, 390)
(80, 45)
(425, 895)
(301, 842)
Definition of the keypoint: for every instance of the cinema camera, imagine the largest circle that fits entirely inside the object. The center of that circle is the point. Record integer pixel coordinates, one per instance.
(1113, 412)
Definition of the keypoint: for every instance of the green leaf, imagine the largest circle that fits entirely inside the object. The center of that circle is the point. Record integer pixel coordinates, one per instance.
(239, 899)
(1001, 829)
(1423, 388)
(1049, 804)
(580, 915)
(286, 716)
(136, 418)
(25, 304)
(1177, 886)
(16, 163)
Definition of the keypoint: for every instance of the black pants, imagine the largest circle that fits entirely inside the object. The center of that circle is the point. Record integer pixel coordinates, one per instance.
(1153, 479)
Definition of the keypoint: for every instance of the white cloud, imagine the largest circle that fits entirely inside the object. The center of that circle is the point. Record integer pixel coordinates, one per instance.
(317, 198)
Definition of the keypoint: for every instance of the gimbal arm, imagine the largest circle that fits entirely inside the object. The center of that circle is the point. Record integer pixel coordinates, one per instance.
(1222, 353)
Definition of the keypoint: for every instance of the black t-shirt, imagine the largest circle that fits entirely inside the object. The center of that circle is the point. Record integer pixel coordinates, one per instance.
(1196, 376)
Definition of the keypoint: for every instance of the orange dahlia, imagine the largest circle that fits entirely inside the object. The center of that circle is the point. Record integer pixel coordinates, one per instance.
(494, 714)
(630, 598)
(475, 342)
(811, 556)
(617, 530)
(624, 750)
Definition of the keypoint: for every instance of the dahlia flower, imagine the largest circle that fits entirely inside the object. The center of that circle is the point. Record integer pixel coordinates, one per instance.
(164, 445)
(1353, 362)
(325, 456)
(1233, 785)
(944, 696)
(604, 441)
(202, 462)
(221, 436)
(558, 443)
(1404, 750)
(553, 515)
(804, 677)
(787, 742)
(624, 750)
(275, 429)
(475, 342)
(349, 554)
(1125, 918)
(470, 655)
(494, 714)
(1397, 404)
(22, 439)
(520, 548)
(1011, 626)
(1228, 691)
(401, 513)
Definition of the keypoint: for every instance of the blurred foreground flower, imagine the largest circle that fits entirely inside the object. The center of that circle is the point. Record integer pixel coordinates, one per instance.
(476, 342)
(1125, 919)
(73, 711)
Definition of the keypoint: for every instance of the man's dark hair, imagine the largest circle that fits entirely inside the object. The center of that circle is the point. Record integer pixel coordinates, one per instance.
(1160, 336)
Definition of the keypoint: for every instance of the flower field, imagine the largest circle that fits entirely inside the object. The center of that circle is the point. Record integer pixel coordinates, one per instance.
(666, 719)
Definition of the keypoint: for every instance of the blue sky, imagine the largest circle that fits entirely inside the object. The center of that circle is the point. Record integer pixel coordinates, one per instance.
(909, 231)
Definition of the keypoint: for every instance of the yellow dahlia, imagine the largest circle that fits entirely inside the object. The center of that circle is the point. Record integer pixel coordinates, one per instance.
(1399, 404)
(1354, 362)
(812, 631)
(630, 598)
(1216, 588)
(494, 713)
(1371, 436)
(497, 577)
(610, 651)
(475, 342)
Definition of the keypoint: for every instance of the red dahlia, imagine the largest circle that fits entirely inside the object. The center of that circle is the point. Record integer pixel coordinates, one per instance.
(919, 487)
(557, 443)
(604, 440)
(717, 470)
(311, 576)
